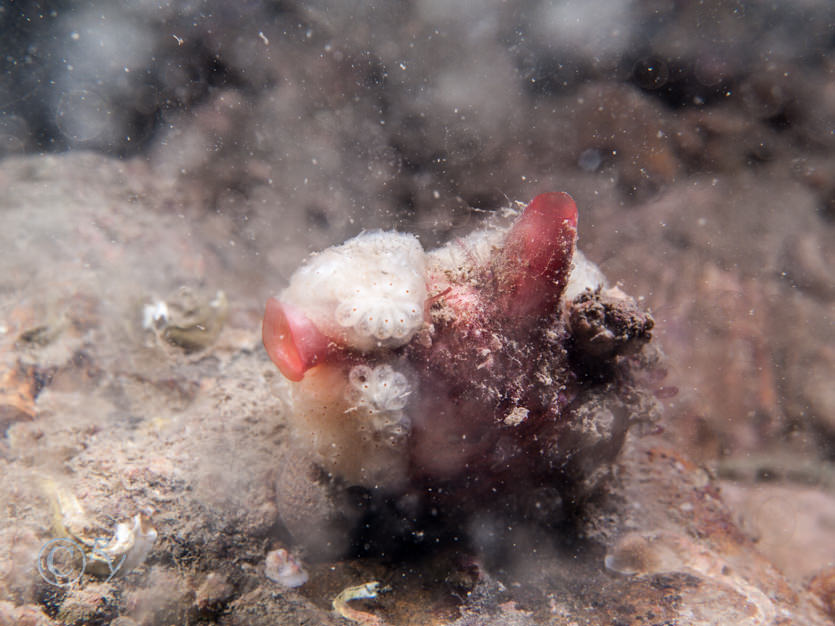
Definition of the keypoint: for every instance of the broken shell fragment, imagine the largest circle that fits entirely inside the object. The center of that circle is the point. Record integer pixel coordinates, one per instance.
(359, 592)
(18, 390)
(68, 515)
(189, 319)
(130, 545)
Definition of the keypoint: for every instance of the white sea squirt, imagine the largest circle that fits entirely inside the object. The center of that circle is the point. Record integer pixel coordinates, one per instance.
(383, 393)
(368, 293)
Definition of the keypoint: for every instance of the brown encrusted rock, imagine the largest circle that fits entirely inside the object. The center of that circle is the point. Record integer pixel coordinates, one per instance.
(26, 615)
(166, 598)
(263, 606)
(608, 323)
(213, 593)
(94, 603)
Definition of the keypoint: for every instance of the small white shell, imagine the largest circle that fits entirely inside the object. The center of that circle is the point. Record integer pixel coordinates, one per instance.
(283, 568)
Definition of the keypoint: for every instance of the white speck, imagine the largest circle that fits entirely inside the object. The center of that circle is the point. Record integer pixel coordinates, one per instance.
(75, 36)
(402, 65)
(154, 315)
(263, 38)
(180, 40)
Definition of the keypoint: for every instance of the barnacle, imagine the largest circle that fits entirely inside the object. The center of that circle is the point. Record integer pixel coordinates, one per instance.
(189, 319)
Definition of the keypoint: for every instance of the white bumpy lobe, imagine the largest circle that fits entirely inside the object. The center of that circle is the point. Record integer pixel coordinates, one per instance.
(367, 293)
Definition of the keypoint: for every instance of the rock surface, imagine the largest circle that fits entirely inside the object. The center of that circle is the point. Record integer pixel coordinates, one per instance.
(127, 421)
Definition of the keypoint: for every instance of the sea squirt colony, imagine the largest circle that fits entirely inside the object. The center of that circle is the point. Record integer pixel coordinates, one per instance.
(497, 361)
